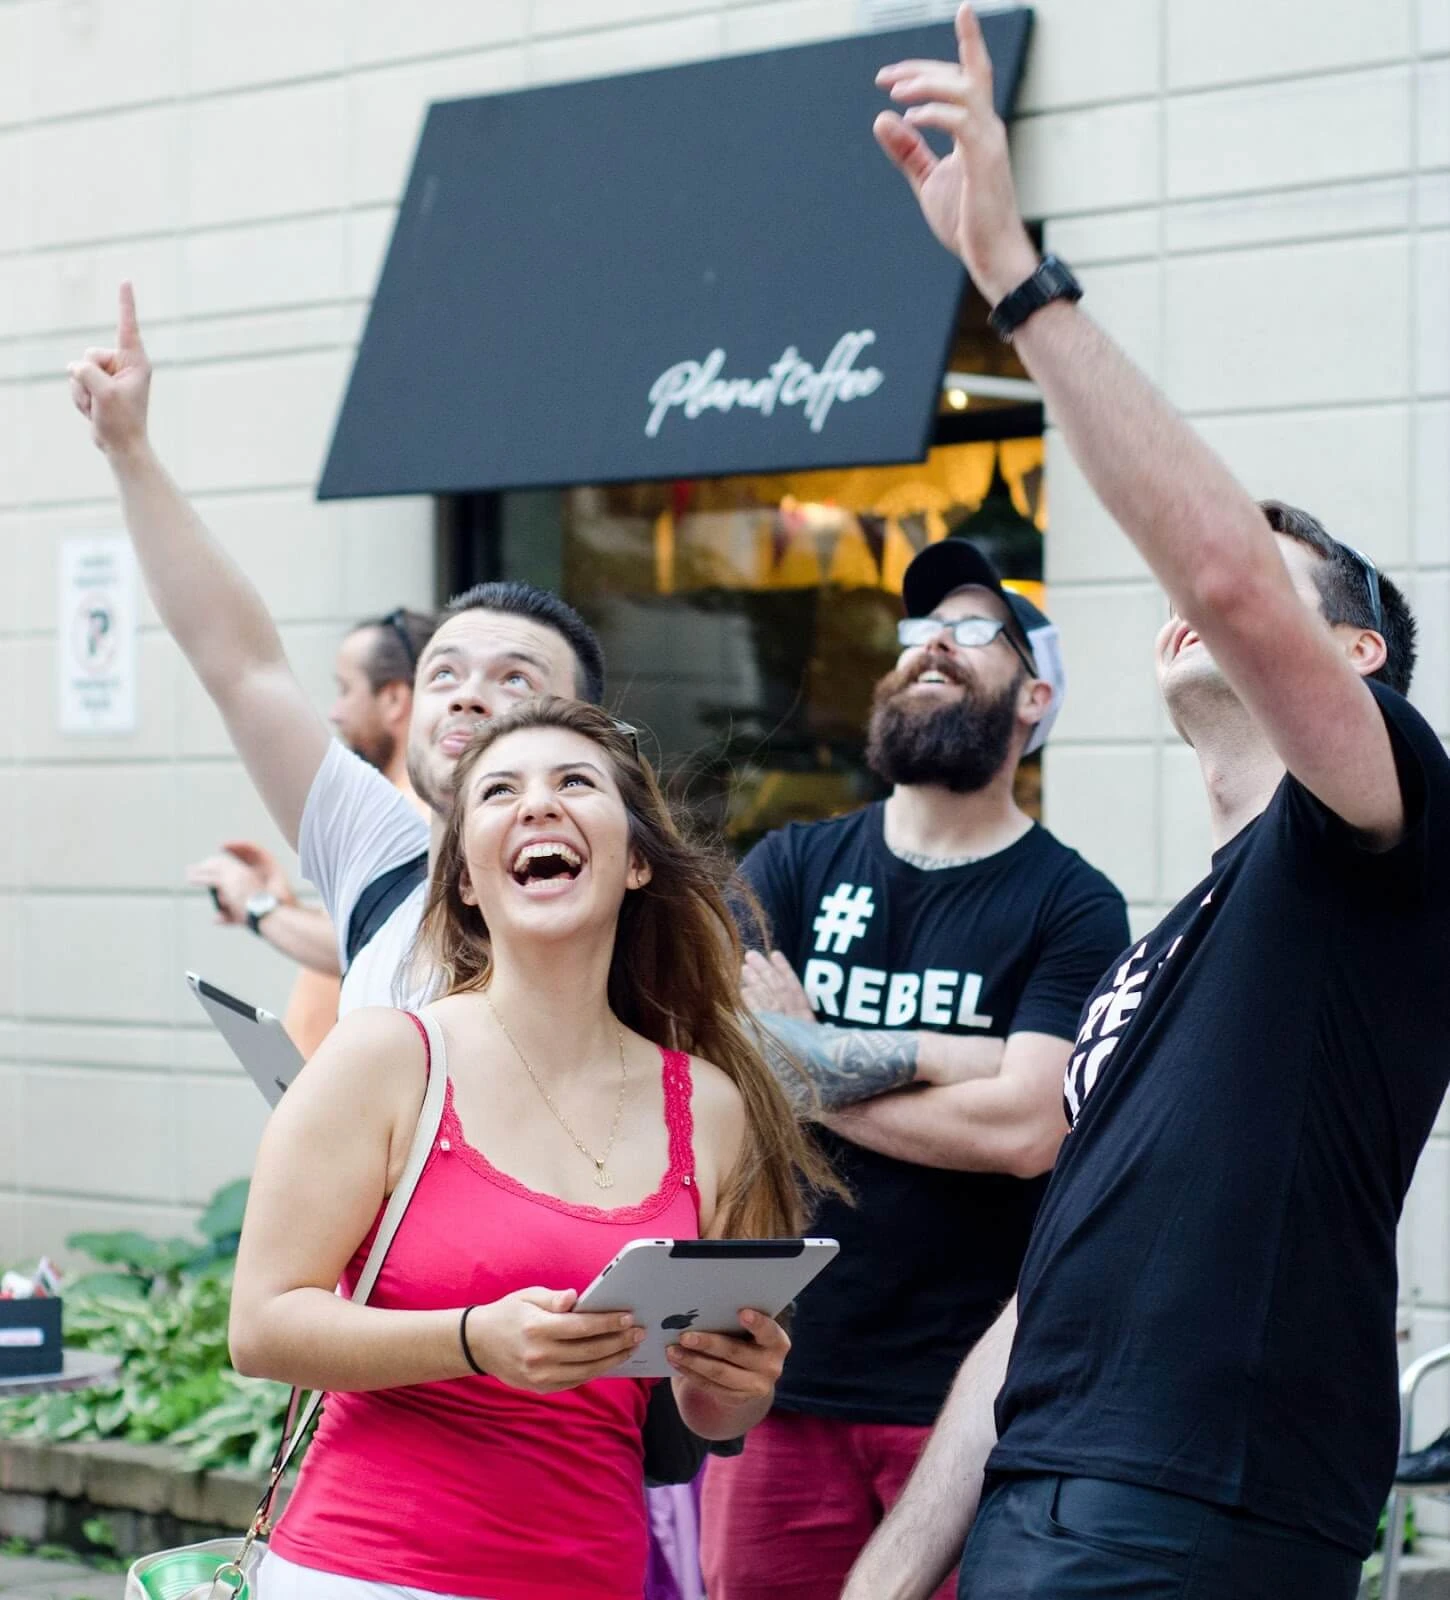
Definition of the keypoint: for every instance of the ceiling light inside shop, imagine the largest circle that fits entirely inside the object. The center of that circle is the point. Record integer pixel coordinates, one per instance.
(958, 399)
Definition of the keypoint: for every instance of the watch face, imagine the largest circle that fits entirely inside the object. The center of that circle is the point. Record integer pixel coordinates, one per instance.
(260, 904)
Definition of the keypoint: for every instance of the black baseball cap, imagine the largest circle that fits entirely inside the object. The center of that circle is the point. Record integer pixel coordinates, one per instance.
(953, 563)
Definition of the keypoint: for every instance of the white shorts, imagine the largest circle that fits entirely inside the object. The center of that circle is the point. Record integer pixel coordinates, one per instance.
(280, 1579)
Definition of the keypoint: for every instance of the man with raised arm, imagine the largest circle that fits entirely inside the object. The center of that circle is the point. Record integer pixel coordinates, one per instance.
(1199, 1399)
(374, 670)
(932, 954)
(361, 841)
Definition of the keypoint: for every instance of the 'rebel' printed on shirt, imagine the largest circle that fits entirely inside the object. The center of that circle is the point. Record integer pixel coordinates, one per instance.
(1207, 1305)
(1011, 943)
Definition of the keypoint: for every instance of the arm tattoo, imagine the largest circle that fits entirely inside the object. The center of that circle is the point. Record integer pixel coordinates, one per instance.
(822, 1068)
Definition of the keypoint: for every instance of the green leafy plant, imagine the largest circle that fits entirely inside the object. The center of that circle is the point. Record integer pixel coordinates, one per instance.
(161, 1306)
(141, 1264)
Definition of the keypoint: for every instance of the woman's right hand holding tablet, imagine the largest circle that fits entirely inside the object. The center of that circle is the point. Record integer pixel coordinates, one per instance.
(533, 1339)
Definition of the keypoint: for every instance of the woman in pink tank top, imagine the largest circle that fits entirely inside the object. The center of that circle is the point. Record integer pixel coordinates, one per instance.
(601, 1088)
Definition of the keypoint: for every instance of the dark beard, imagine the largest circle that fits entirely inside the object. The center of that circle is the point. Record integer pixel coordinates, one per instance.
(960, 747)
(378, 751)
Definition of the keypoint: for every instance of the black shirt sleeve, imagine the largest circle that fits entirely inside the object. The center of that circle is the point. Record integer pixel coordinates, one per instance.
(1423, 852)
(1084, 930)
(769, 872)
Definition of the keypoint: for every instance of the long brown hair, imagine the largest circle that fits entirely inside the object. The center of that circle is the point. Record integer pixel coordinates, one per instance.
(674, 976)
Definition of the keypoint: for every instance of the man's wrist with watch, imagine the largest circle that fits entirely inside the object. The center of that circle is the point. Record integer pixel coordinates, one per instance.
(259, 906)
(1051, 280)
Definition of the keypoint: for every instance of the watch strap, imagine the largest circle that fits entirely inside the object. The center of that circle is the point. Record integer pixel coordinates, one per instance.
(1053, 280)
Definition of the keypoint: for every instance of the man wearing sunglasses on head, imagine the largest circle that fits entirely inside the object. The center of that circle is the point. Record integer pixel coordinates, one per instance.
(1193, 1396)
(931, 955)
(374, 671)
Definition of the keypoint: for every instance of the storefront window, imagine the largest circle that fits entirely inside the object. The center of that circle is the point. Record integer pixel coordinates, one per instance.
(745, 620)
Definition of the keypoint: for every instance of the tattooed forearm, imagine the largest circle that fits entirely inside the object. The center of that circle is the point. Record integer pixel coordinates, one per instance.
(822, 1068)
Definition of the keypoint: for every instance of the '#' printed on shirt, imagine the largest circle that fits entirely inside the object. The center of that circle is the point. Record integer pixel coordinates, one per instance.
(936, 998)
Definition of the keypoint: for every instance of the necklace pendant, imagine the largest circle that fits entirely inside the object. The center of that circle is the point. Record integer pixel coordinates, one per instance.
(602, 1179)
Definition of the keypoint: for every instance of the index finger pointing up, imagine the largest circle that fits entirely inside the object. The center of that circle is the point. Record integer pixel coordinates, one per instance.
(128, 335)
(972, 52)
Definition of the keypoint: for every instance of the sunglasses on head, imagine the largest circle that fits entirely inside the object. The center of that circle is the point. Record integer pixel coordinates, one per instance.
(398, 621)
(1371, 582)
(630, 732)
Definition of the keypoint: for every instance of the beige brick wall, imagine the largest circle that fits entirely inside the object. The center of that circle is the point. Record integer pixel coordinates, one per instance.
(1256, 192)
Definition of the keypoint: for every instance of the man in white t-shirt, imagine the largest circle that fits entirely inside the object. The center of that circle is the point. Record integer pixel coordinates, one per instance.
(496, 645)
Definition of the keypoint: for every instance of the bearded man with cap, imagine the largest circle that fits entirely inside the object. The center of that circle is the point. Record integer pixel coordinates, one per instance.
(931, 954)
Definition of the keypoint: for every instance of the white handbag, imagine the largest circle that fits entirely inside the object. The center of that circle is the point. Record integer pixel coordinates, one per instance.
(226, 1569)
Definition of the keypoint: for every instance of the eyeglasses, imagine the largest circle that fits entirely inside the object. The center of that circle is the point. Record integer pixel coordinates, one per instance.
(1371, 582)
(971, 633)
(398, 622)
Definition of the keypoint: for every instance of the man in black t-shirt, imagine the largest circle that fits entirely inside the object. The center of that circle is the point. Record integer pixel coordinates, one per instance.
(1200, 1401)
(932, 955)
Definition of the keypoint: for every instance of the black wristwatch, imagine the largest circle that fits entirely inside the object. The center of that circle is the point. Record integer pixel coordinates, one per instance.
(1052, 281)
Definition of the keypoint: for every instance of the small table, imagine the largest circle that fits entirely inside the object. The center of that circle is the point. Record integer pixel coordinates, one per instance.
(83, 1369)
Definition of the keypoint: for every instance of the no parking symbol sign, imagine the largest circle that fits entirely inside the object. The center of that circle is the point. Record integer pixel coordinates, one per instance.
(96, 636)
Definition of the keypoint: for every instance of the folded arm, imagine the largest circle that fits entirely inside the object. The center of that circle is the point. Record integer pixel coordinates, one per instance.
(205, 601)
(1012, 1122)
(824, 1069)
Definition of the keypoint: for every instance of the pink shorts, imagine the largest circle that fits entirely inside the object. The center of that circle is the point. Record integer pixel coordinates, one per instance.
(787, 1519)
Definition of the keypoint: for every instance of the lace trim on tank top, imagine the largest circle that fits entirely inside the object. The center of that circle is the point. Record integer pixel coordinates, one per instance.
(679, 1120)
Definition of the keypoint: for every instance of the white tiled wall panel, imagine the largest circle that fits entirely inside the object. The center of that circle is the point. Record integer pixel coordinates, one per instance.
(1235, 41)
(1104, 51)
(1331, 463)
(1431, 484)
(228, 46)
(782, 23)
(97, 54)
(1257, 193)
(272, 153)
(1300, 326)
(1434, 27)
(1273, 135)
(1090, 160)
(103, 177)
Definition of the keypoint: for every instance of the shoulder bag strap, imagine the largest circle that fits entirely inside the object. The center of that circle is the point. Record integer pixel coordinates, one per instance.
(426, 1132)
(380, 899)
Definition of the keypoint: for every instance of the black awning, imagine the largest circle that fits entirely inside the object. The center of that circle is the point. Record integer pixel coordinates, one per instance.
(698, 271)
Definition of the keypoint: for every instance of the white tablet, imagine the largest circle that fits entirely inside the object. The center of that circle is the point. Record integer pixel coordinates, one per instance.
(674, 1284)
(257, 1038)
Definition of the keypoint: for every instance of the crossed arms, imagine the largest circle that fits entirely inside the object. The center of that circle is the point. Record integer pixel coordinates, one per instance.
(939, 1100)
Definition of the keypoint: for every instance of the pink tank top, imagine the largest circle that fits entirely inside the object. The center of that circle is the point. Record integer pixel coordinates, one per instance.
(469, 1487)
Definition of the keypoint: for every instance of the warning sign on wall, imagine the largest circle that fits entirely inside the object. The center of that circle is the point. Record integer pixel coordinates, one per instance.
(97, 635)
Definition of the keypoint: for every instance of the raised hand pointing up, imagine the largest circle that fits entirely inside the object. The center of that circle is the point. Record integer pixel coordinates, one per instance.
(111, 387)
(967, 196)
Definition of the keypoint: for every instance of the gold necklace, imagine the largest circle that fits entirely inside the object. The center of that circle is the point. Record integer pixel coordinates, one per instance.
(603, 1179)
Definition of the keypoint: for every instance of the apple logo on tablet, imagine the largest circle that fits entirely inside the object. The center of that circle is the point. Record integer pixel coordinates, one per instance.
(681, 1319)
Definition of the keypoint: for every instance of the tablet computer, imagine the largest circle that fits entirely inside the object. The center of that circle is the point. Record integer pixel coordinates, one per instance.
(673, 1284)
(257, 1038)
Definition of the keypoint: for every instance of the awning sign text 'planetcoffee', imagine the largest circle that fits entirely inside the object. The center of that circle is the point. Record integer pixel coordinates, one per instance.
(697, 386)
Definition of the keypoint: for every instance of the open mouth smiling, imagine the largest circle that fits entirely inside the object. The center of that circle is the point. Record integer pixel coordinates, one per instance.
(545, 861)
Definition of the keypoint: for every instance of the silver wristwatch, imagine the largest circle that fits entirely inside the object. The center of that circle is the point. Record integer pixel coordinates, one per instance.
(259, 906)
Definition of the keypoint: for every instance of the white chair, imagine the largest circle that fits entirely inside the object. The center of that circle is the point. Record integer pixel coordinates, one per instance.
(1402, 1493)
